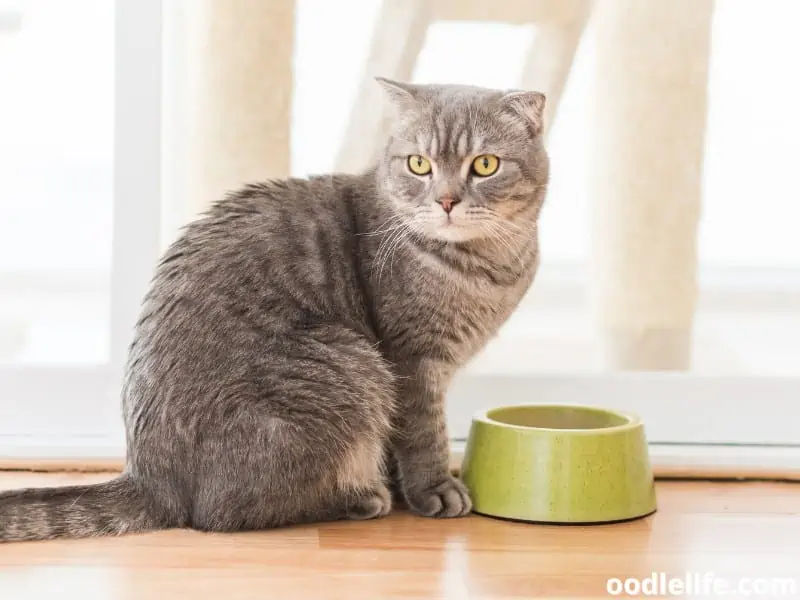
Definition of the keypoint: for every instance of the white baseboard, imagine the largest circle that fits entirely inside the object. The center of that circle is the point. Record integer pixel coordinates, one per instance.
(668, 460)
(675, 408)
(54, 453)
(690, 461)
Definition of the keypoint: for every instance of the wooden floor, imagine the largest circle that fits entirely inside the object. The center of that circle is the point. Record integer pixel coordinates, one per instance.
(733, 530)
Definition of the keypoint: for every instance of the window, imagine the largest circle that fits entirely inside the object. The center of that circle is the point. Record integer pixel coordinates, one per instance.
(80, 119)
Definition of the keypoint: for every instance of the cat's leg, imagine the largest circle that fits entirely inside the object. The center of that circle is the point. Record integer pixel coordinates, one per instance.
(421, 444)
(299, 436)
(393, 476)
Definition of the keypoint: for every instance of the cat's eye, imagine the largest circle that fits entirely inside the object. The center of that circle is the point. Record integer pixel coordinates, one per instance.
(485, 165)
(419, 165)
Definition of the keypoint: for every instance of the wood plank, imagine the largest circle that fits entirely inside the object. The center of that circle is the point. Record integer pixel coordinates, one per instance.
(731, 529)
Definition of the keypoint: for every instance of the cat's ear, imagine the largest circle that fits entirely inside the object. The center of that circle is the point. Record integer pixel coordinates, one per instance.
(529, 105)
(403, 96)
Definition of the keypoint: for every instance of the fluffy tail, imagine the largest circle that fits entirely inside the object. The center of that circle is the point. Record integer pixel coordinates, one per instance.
(109, 508)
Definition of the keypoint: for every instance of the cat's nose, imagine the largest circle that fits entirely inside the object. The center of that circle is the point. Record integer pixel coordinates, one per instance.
(448, 202)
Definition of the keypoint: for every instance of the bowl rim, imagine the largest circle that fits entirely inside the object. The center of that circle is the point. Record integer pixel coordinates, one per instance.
(633, 420)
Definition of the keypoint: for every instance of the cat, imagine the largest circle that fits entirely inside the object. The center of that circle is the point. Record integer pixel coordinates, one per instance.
(295, 347)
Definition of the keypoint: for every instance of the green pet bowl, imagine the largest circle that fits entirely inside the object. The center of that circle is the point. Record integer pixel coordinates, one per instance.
(558, 464)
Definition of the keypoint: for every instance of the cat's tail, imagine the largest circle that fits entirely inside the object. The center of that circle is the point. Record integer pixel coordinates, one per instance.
(110, 508)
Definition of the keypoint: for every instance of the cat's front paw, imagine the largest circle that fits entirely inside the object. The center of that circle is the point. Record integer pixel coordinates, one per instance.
(445, 500)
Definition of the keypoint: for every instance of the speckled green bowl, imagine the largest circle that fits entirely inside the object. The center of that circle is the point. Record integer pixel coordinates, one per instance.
(558, 464)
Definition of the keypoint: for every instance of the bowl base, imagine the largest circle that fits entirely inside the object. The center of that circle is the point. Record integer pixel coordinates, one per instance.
(566, 523)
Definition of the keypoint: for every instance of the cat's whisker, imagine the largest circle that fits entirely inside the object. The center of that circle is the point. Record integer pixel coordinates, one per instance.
(498, 218)
(517, 229)
(509, 250)
(386, 248)
(391, 250)
(392, 219)
(381, 248)
(500, 235)
(384, 231)
(409, 232)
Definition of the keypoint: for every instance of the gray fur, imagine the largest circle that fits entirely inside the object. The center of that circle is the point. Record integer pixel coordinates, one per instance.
(293, 353)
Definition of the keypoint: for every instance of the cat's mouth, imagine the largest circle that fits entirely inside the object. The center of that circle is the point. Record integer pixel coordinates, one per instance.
(453, 226)
(455, 229)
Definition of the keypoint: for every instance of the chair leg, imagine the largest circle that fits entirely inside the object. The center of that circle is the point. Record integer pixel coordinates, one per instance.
(650, 99)
(397, 41)
(233, 117)
(550, 59)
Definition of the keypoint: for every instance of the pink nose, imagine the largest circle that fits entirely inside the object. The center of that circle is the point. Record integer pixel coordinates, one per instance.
(448, 202)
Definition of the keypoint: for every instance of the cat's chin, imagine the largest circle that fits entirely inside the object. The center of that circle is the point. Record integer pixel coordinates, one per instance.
(455, 233)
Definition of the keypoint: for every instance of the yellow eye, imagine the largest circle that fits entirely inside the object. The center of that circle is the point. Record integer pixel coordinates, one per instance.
(485, 165)
(419, 165)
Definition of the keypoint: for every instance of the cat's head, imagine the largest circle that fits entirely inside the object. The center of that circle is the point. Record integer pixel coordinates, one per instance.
(464, 163)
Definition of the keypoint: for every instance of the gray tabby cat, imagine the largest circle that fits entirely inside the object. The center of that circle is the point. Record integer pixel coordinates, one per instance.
(293, 353)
